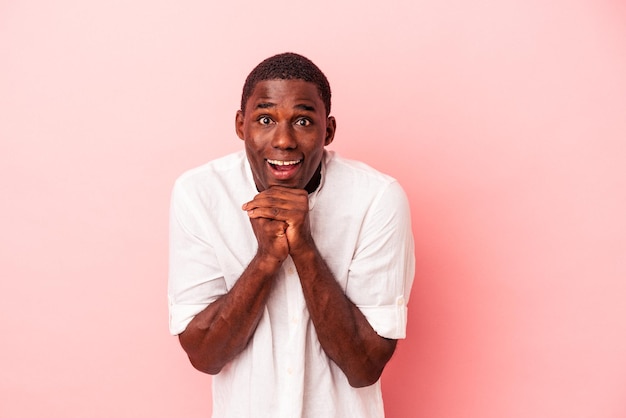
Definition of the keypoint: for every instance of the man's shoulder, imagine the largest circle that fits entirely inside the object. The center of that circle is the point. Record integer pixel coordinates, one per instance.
(355, 172)
(214, 182)
(214, 170)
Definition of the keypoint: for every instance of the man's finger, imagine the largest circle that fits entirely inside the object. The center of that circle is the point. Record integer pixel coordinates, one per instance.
(276, 214)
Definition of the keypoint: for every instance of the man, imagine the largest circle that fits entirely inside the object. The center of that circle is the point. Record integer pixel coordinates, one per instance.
(290, 267)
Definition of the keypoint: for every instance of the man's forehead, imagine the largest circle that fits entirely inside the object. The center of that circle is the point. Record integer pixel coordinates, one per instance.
(268, 93)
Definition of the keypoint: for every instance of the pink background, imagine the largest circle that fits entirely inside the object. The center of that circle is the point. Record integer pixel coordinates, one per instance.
(504, 120)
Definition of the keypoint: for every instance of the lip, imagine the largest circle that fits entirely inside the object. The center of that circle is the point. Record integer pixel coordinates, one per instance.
(283, 170)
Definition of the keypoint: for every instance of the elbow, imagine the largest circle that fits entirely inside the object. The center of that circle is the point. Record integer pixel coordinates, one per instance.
(362, 380)
(200, 357)
(209, 361)
(368, 371)
(361, 383)
(205, 367)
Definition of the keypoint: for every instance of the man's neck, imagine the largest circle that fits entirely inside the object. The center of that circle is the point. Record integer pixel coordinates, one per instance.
(314, 183)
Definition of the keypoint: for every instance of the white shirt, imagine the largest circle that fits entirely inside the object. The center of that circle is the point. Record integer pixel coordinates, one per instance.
(360, 222)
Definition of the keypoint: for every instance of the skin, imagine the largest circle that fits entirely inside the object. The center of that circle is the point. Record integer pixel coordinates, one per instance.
(285, 121)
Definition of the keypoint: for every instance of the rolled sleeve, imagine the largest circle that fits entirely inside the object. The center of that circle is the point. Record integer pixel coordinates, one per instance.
(181, 316)
(195, 276)
(388, 321)
(381, 273)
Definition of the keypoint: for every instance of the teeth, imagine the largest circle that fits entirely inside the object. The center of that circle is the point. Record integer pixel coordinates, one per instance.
(279, 162)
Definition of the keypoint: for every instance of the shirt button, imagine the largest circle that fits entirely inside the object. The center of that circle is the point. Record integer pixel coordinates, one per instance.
(290, 370)
(400, 301)
(291, 270)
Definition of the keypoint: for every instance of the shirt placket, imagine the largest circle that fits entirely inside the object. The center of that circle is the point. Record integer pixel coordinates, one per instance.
(293, 366)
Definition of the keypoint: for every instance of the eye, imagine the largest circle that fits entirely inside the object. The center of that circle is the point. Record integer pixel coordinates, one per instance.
(303, 122)
(265, 120)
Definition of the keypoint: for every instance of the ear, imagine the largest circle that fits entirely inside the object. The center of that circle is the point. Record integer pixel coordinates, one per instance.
(239, 124)
(331, 127)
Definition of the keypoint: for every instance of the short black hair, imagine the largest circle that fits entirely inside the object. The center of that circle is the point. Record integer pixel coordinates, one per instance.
(287, 66)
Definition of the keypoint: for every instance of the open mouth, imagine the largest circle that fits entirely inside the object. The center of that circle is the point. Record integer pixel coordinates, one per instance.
(283, 165)
(284, 169)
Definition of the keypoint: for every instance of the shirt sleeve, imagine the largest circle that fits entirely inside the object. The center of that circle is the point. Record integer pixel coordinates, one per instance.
(382, 270)
(195, 276)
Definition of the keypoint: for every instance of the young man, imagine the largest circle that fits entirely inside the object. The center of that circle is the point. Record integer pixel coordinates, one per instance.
(290, 267)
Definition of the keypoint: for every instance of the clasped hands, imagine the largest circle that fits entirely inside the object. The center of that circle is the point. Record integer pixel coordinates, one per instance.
(280, 221)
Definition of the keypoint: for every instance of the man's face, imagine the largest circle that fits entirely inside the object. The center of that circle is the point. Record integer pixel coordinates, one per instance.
(285, 130)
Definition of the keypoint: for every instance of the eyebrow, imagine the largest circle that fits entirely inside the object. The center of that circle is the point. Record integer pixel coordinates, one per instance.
(265, 105)
(269, 105)
(305, 107)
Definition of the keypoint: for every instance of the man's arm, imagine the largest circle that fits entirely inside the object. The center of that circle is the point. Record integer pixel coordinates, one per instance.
(343, 331)
(222, 330)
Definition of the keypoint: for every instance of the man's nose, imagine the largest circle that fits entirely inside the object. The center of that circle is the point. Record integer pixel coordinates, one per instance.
(284, 136)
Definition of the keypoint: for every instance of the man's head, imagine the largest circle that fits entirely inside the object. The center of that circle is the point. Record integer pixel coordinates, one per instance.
(284, 122)
(287, 66)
